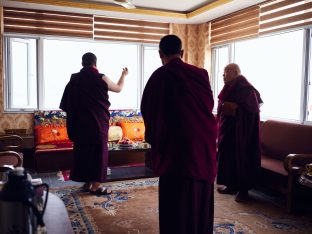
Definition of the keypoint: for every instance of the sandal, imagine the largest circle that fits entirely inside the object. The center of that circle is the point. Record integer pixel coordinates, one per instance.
(226, 190)
(101, 191)
(86, 187)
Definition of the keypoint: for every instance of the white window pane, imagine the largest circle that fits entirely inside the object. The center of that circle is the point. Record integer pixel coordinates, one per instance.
(62, 58)
(111, 59)
(23, 75)
(273, 65)
(221, 60)
(309, 111)
(152, 61)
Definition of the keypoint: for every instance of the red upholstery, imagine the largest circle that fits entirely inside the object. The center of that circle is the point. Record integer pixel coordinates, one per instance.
(278, 139)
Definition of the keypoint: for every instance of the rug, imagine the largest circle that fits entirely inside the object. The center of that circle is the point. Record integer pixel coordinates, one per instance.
(132, 208)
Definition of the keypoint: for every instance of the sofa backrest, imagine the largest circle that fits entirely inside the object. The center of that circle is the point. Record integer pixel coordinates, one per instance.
(278, 139)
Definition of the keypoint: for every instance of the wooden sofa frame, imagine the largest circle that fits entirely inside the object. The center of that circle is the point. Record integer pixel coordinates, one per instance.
(285, 150)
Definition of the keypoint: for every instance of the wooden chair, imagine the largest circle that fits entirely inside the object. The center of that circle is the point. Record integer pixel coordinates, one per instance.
(11, 158)
(11, 143)
(10, 147)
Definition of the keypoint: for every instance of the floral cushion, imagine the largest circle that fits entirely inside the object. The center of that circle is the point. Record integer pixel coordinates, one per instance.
(50, 134)
(133, 130)
(118, 116)
(54, 117)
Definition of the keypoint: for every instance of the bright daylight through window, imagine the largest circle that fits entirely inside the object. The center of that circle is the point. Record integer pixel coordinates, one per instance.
(61, 58)
(274, 65)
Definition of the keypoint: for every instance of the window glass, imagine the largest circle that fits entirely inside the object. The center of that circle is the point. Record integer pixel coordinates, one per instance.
(273, 64)
(309, 111)
(152, 61)
(221, 60)
(22, 85)
(62, 58)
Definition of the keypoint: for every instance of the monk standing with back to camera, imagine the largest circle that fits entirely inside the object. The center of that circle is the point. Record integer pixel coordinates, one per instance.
(177, 108)
(85, 101)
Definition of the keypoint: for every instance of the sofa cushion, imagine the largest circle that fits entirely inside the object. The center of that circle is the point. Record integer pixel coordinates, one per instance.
(56, 147)
(118, 116)
(50, 134)
(133, 130)
(54, 117)
(278, 139)
(273, 164)
(114, 133)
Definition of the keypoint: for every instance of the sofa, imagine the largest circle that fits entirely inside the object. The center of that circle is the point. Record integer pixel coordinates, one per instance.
(285, 150)
(54, 150)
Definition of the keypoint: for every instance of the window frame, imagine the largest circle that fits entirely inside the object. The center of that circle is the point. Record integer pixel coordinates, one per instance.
(40, 69)
(7, 81)
(306, 70)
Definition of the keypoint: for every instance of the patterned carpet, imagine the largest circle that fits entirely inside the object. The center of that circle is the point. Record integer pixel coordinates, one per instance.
(132, 208)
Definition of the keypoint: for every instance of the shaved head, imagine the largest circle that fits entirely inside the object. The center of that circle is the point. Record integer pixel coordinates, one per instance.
(231, 71)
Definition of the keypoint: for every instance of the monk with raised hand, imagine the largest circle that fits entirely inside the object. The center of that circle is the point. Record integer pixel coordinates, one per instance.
(85, 101)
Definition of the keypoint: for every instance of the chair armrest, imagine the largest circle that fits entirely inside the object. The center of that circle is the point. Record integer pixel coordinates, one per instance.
(295, 163)
(8, 154)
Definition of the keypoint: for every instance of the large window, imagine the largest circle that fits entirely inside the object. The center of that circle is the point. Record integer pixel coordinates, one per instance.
(274, 65)
(59, 58)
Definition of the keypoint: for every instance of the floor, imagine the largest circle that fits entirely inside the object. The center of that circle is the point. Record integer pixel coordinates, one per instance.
(135, 172)
(117, 173)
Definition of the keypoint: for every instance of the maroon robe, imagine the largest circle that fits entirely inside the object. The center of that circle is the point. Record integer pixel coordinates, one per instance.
(177, 108)
(85, 101)
(238, 136)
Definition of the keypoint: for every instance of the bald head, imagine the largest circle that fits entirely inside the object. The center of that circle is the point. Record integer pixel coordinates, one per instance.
(231, 71)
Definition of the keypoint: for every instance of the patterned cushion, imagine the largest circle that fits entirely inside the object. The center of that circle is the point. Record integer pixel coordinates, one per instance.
(133, 130)
(118, 116)
(50, 134)
(54, 117)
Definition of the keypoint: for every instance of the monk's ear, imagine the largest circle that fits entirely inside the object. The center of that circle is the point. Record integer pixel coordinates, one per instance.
(161, 54)
(181, 53)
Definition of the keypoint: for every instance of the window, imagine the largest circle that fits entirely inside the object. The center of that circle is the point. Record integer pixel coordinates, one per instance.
(309, 109)
(221, 56)
(21, 74)
(151, 60)
(274, 65)
(60, 57)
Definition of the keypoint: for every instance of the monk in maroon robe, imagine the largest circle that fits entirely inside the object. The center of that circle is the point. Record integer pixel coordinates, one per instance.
(85, 101)
(177, 108)
(238, 134)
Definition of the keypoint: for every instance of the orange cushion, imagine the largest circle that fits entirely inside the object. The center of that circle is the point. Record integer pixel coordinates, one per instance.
(50, 134)
(133, 130)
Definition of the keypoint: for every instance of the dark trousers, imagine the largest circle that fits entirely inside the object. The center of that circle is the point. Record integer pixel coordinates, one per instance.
(186, 206)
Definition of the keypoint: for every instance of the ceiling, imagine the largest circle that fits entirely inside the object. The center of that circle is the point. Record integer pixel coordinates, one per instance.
(172, 11)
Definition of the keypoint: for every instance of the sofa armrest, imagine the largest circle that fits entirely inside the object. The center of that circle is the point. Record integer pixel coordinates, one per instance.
(295, 163)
